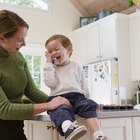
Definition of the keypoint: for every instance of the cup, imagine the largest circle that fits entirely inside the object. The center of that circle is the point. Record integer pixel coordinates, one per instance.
(102, 14)
(100, 107)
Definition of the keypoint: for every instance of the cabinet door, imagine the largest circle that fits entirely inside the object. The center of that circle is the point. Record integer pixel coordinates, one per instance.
(108, 38)
(117, 128)
(79, 42)
(26, 128)
(93, 44)
(86, 45)
(87, 136)
(136, 128)
(135, 46)
(42, 130)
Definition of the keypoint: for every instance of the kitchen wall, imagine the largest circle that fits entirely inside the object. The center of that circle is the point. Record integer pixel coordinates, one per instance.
(62, 19)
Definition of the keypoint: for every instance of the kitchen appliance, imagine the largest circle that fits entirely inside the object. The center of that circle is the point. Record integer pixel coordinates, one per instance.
(102, 79)
(137, 106)
(138, 97)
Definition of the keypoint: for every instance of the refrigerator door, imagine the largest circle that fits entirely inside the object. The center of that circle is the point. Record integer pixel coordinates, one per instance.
(102, 81)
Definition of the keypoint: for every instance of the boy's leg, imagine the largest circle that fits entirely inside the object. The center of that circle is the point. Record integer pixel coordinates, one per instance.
(93, 124)
(86, 108)
(63, 118)
(61, 114)
(95, 128)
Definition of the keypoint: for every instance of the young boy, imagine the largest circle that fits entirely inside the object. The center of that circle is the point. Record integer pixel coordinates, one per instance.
(65, 78)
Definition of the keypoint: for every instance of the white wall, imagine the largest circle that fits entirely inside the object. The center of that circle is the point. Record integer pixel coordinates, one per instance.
(62, 19)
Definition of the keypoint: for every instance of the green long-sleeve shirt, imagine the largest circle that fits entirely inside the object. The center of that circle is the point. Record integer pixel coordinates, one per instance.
(16, 81)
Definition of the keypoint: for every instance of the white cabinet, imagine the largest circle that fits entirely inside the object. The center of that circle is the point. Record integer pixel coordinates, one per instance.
(117, 128)
(136, 128)
(125, 128)
(26, 129)
(92, 50)
(100, 40)
(78, 39)
(43, 130)
(40, 130)
(108, 38)
(88, 135)
(135, 45)
(86, 44)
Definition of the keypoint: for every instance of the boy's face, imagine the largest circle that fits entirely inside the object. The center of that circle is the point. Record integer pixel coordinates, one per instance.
(56, 50)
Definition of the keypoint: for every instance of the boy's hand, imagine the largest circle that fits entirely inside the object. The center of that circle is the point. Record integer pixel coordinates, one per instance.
(48, 57)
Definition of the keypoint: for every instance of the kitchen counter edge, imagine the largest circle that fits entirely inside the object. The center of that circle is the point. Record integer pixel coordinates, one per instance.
(100, 115)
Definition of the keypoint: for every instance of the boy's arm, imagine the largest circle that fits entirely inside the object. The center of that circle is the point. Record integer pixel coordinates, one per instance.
(50, 78)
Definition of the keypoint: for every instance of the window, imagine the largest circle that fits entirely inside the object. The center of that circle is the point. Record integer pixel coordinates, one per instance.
(35, 57)
(41, 5)
(34, 64)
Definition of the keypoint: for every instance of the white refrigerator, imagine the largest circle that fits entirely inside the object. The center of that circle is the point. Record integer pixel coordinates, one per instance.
(102, 79)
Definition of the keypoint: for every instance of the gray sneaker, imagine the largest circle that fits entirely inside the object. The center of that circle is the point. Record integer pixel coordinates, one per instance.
(74, 132)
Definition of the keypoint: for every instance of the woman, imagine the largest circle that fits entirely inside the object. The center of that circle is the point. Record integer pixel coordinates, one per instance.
(16, 81)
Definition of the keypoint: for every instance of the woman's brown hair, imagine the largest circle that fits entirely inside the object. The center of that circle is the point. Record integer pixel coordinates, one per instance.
(10, 22)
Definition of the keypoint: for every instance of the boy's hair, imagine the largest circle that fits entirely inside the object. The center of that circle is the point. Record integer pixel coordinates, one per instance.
(65, 41)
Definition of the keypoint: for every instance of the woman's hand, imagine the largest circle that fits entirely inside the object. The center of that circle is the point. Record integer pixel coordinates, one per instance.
(53, 104)
(56, 102)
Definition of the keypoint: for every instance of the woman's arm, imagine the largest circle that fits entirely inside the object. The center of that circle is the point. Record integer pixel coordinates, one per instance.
(53, 104)
(20, 111)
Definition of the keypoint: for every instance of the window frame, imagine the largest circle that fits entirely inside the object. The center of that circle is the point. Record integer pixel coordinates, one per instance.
(27, 9)
(34, 49)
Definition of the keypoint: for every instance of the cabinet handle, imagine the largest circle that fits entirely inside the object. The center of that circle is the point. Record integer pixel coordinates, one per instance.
(49, 127)
(53, 127)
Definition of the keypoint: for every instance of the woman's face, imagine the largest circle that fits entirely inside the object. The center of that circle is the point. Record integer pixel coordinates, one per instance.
(56, 50)
(13, 44)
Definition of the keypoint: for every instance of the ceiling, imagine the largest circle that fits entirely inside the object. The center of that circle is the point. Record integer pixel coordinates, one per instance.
(93, 7)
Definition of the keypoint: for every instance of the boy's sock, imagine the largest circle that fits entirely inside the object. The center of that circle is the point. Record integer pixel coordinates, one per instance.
(97, 134)
(65, 125)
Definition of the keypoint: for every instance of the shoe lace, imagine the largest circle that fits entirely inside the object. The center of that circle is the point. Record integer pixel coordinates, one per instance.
(74, 125)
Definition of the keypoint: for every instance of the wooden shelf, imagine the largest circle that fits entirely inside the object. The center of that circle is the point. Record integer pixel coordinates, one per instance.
(93, 7)
(130, 10)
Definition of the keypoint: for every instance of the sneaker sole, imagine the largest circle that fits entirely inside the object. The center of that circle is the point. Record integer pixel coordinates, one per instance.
(77, 134)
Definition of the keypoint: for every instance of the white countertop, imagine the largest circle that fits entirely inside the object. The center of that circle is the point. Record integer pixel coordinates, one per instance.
(101, 115)
(116, 114)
